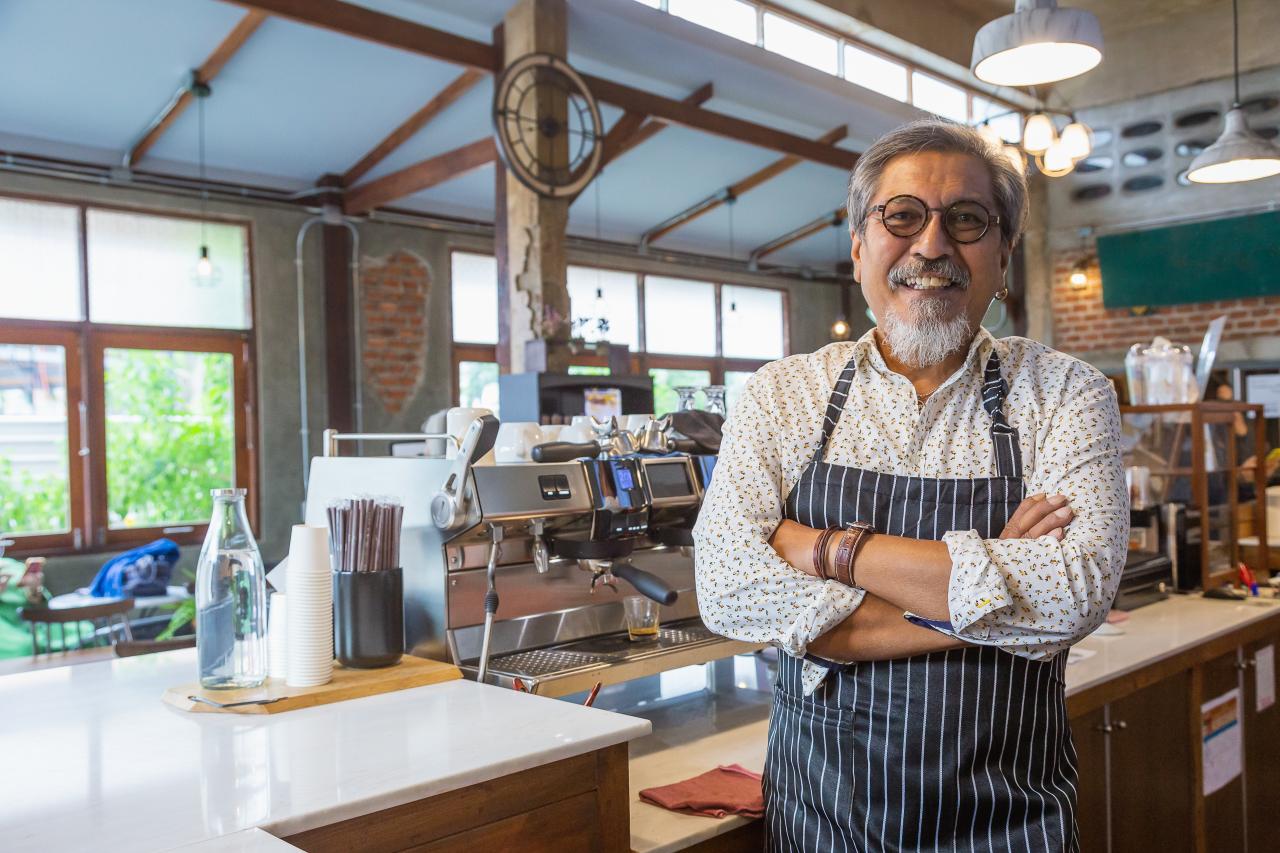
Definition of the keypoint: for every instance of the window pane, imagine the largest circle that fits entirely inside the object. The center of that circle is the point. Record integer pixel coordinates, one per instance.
(475, 298)
(665, 381)
(607, 294)
(143, 272)
(731, 17)
(943, 99)
(652, 4)
(170, 434)
(679, 316)
(39, 260)
(753, 319)
(35, 495)
(1007, 124)
(587, 370)
(794, 41)
(734, 382)
(874, 72)
(478, 384)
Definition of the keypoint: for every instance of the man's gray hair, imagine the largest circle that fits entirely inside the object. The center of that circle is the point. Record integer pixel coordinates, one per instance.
(1008, 185)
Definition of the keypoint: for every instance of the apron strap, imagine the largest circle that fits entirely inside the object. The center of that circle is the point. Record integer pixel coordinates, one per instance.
(994, 389)
(1003, 437)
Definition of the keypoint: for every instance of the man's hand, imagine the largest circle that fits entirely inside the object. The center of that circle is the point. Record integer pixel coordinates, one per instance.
(1039, 515)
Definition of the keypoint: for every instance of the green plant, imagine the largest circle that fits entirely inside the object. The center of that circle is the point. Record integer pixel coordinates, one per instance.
(33, 503)
(183, 614)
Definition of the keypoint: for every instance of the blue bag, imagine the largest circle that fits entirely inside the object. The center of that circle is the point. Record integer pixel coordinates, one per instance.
(142, 571)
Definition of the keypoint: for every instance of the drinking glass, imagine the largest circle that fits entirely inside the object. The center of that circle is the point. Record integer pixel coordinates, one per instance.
(715, 399)
(686, 394)
(642, 618)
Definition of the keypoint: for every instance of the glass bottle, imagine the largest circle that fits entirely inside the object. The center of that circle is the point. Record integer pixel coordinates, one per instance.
(231, 599)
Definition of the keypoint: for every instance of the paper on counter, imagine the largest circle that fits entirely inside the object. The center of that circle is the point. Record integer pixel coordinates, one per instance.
(279, 576)
(1075, 655)
(1220, 740)
(1264, 669)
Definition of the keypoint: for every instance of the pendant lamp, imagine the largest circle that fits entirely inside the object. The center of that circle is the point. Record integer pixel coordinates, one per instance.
(1038, 43)
(1239, 154)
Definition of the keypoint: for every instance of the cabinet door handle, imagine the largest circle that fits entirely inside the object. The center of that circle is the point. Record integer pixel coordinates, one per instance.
(1246, 665)
(1108, 728)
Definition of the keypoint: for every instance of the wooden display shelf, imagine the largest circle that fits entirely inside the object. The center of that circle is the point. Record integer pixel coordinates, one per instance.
(276, 697)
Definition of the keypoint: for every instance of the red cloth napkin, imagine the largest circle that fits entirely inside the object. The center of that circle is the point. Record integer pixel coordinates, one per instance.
(729, 789)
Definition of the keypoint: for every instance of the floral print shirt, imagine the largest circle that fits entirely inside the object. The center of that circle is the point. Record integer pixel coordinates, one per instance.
(1031, 597)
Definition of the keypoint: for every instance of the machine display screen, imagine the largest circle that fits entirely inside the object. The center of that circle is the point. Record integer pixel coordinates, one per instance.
(622, 478)
(669, 480)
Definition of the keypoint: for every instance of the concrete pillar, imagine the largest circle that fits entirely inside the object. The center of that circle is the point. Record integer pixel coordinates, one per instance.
(531, 238)
(1039, 265)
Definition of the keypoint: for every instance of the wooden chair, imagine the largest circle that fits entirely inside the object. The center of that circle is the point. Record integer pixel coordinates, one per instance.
(132, 648)
(110, 619)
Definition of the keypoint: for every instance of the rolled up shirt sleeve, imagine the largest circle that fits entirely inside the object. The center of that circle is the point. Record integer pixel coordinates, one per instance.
(1035, 597)
(745, 590)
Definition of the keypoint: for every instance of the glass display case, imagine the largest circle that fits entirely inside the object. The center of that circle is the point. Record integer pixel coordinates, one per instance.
(1201, 457)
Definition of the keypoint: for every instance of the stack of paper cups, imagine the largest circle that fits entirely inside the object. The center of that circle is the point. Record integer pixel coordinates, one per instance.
(277, 636)
(309, 583)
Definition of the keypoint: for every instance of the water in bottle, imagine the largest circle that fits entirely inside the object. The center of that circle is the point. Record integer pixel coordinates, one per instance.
(231, 599)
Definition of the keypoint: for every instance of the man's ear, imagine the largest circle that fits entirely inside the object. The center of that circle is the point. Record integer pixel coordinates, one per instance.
(855, 253)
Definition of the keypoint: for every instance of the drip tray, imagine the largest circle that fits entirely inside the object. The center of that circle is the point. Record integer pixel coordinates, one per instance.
(609, 659)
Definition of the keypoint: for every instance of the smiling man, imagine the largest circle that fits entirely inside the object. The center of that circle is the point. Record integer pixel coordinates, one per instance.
(923, 521)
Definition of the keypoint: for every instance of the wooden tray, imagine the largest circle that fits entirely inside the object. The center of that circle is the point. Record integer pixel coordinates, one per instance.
(346, 684)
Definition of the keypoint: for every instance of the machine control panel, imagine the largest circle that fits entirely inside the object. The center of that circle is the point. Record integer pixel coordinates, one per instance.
(554, 487)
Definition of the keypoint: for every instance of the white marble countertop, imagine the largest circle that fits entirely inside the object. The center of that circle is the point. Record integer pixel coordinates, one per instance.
(1158, 631)
(93, 760)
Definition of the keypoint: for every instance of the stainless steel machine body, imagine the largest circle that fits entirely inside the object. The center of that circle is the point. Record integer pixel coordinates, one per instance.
(562, 530)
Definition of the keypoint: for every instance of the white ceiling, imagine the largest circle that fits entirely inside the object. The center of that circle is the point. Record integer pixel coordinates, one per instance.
(297, 102)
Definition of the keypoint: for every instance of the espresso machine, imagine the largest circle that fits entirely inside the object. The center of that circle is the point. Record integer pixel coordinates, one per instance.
(516, 572)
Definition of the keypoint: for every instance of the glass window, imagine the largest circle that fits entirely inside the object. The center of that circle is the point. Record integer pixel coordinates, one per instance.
(475, 298)
(170, 434)
(731, 17)
(801, 43)
(478, 384)
(39, 260)
(872, 71)
(942, 99)
(753, 319)
(666, 381)
(679, 316)
(652, 4)
(35, 492)
(588, 370)
(143, 271)
(734, 382)
(597, 294)
(1007, 124)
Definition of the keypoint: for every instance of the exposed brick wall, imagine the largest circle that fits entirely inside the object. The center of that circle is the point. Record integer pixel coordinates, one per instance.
(393, 297)
(1081, 325)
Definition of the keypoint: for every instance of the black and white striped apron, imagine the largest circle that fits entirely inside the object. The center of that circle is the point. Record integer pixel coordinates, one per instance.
(963, 750)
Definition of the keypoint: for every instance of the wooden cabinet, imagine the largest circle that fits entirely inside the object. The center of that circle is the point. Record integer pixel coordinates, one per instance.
(1128, 799)
(1261, 752)
(578, 804)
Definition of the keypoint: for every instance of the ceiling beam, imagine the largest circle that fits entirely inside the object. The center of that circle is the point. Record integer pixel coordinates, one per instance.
(455, 90)
(827, 220)
(420, 176)
(731, 193)
(397, 32)
(378, 28)
(204, 74)
(740, 130)
(634, 128)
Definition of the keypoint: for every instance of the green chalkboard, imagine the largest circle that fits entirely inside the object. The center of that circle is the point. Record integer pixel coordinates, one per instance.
(1200, 262)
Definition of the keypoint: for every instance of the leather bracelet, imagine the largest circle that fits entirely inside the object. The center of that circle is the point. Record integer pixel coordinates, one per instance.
(820, 552)
(851, 543)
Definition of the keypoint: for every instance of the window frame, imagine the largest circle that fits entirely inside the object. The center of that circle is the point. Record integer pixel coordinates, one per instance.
(84, 342)
(641, 358)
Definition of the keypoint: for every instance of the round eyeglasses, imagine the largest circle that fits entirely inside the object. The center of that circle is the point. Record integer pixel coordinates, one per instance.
(907, 216)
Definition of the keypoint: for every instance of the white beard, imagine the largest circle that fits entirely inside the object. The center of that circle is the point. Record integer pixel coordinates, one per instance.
(926, 337)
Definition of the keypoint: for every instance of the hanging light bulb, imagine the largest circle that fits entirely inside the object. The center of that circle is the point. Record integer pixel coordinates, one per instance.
(989, 133)
(1239, 154)
(205, 273)
(1079, 277)
(1076, 140)
(1038, 134)
(204, 266)
(1056, 162)
(1038, 43)
(840, 329)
